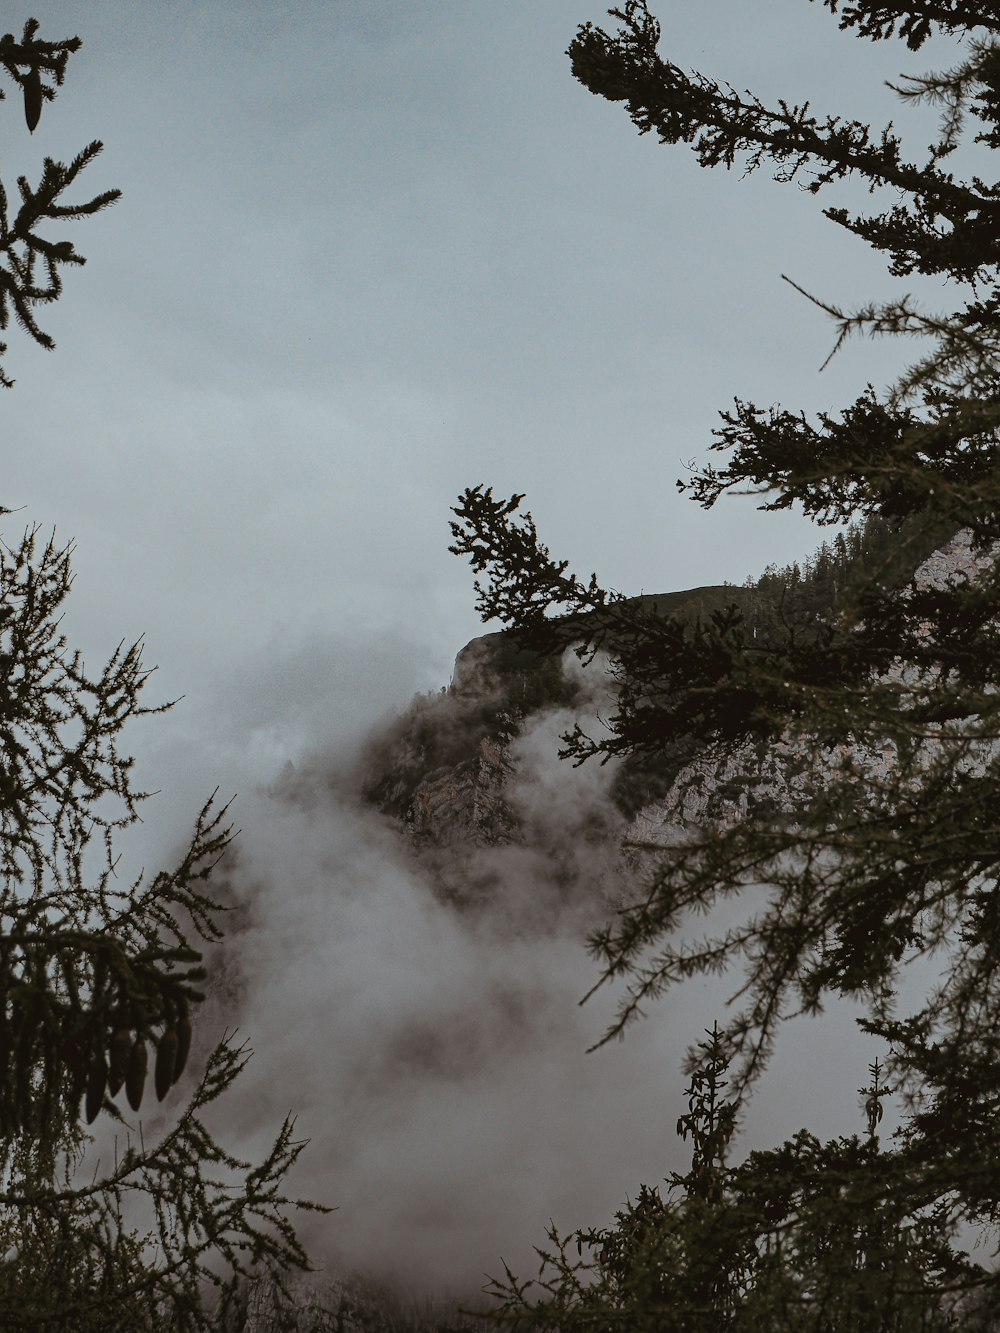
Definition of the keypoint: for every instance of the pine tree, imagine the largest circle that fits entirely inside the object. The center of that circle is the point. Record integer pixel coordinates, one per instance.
(22, 250)
(800, 1239)
(99, 977)
(859, 741)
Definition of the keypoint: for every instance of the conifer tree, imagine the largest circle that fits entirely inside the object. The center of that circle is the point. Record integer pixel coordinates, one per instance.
(39, 67)
(800, 1239)
(857, 742)
(99, 976)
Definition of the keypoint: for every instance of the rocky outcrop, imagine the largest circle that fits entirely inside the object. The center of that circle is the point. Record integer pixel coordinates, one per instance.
(450, 805)
(444, 769)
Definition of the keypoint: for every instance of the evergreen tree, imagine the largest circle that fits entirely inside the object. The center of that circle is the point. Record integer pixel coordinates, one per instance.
(859, 743)
(801, 1239)
(22, 250)
(99, 977)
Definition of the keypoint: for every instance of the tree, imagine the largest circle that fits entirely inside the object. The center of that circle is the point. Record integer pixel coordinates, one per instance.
(860, 741)
(20, 245)
(788, 1240)
(93, 971)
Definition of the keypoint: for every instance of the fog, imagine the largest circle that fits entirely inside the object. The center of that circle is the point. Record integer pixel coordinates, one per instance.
(366, 257)
(420, 1015)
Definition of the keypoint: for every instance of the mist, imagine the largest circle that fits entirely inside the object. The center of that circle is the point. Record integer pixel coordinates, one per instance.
(419, 1012)
(259, 470)
(420, 1016)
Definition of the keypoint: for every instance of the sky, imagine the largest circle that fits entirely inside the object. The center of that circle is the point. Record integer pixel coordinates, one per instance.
(369, 254)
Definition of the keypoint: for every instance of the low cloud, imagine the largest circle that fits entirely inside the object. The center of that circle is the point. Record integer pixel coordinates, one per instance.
(431, 1043)
(419, 1014)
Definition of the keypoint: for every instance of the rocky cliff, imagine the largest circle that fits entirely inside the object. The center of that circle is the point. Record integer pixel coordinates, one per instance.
(446, 767)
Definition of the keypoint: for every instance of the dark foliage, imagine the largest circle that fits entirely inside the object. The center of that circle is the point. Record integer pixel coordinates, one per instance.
(99, 976)
(807, 1238)
(21, 248)
(837, 725)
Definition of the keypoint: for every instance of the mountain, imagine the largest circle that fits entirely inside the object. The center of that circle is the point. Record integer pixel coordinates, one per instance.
(469, 776)
(444, 769)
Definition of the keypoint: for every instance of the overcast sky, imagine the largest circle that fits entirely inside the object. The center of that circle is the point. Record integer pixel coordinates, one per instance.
(371, 252)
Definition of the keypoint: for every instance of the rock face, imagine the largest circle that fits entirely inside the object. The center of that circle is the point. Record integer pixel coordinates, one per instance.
(451, 805)
(444, 770)
(954, 560)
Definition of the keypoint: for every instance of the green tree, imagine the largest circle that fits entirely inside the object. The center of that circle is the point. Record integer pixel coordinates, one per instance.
(859, 742)
(22, 250)
(95, 973)
(802, 1239)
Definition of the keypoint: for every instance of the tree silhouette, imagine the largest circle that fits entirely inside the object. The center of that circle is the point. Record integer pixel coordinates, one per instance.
(847, 760)
(96, 973)
(805, 1238)
(21, 247)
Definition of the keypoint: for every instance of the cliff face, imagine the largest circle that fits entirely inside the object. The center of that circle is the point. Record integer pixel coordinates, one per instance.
(446, 769)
